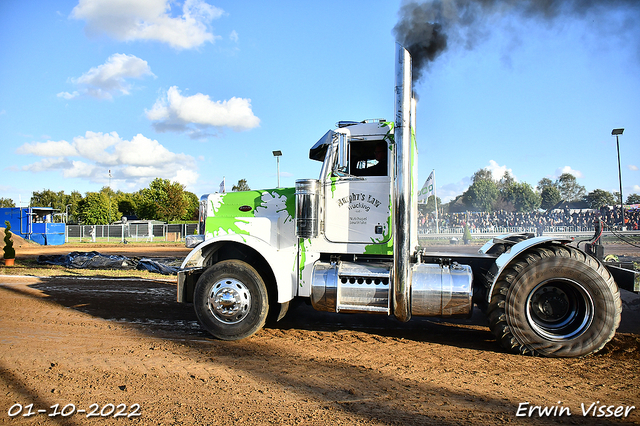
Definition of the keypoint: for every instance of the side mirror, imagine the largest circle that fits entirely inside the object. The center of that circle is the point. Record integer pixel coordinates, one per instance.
(341, 166)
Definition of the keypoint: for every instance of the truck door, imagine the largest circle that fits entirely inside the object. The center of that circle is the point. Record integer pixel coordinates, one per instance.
(357, 202)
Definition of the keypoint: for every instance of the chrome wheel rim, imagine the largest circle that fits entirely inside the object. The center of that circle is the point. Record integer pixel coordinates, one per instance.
(229, 301)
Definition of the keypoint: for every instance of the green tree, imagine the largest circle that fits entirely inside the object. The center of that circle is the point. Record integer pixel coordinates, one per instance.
(145, 206)
(482, 174)
(633, 199)
(176, 204)
(456, 205)
(162, 200)
(506, 200)
(193, 206)
(148, 199)
(516, 196)
(523, 197)
(481, 195)
(241, 186)
(545, 183)
(94, 209)
(506, 182)
(549, 197)
(570, 189)
(7, 202)
(57, 200)
(48, 198)
(126, 203)
(598, 198)
(72, 202)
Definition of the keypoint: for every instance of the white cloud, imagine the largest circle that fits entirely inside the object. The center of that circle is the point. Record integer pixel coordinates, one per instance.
(195, 114)
(80, 169)
(633, 167)
(568, 169)
(93, 146)
(187, 177)
(498, 171)
(234, 36)
(139, 160)
(450, 191)
(129, 20)
(67, 95)
(48, 149)
(110, 78)
(47, 164)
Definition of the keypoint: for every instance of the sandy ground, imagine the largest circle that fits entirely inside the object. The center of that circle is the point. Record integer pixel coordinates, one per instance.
(126, 350)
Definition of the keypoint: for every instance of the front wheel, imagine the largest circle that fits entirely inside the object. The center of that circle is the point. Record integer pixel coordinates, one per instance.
(230, 300)
(555, 301)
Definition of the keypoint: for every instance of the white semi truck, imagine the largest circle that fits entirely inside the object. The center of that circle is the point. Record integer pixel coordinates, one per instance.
(348, 242)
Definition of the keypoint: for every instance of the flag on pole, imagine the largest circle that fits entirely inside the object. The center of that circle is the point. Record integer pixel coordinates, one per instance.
(428, 189)
(222, 190)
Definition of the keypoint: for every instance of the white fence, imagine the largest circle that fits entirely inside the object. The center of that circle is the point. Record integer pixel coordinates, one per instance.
(130, 232)
(149, 232)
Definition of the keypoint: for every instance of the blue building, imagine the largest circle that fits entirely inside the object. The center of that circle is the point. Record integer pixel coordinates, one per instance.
(34, 223)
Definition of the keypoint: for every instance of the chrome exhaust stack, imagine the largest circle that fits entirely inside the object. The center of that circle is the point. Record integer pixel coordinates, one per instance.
(402, 250)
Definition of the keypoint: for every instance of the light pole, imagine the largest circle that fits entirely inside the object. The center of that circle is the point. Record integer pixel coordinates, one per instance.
(109, 199)
(278, 154)
(618, 132)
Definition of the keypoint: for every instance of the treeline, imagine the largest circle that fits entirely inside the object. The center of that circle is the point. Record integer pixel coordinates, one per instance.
(162, 200)
(486, 194)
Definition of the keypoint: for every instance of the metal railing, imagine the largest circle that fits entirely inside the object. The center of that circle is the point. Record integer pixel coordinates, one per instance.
(490, 232)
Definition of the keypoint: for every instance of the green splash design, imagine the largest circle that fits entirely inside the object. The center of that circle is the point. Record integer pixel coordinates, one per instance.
(228, 215)
(303, 258)
(290, 201)
(382, 248)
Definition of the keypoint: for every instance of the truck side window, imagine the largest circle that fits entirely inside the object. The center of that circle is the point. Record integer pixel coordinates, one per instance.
(369, 158)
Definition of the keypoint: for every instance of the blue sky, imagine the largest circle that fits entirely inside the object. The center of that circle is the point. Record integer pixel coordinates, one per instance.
(195, 91)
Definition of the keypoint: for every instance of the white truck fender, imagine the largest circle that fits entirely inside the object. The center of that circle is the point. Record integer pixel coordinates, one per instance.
(508, 256)
(282, 262)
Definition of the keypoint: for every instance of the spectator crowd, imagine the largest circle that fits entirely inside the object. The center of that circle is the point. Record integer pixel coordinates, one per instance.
(496, 221)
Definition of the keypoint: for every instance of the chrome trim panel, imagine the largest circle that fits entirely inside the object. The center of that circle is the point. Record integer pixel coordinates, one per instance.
(350, 287)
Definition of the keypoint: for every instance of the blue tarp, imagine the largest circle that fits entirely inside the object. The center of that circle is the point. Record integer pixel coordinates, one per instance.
(95, 260)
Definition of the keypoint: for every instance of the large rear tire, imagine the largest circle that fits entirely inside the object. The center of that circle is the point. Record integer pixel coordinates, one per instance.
(555, 301)
(230, 300)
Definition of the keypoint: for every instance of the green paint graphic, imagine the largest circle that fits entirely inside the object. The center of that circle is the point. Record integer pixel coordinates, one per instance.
(382, 248)
(303, 258)
(228, 217)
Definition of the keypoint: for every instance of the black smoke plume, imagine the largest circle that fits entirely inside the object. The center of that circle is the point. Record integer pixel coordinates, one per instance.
(427, 28)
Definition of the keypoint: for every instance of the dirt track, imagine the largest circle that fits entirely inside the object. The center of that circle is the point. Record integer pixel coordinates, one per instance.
(103, 342)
